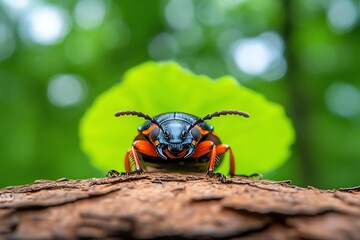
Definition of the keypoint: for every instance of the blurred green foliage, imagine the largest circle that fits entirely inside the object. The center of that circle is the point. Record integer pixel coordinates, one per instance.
(261, 143)
(56, 57)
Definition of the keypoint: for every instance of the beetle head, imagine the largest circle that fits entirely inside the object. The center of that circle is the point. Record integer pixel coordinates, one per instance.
(174, 141)
(171, 139)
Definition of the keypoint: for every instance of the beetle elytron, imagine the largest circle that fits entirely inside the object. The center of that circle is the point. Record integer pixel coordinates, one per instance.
(177, 141)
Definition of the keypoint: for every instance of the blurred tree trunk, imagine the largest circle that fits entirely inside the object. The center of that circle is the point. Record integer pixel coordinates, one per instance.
(298, 96)
(176, 206)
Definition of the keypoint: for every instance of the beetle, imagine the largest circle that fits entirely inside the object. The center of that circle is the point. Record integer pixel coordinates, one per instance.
(177, 141)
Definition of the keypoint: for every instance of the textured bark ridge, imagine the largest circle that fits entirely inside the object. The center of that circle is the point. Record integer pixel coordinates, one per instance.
(177, 206)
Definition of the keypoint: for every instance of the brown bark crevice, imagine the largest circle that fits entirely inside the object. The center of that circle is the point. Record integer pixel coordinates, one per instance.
(180, 206)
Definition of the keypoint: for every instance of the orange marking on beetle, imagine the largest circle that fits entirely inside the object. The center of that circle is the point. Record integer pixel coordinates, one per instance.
(202, 131)
(147, 131)
(180, 155)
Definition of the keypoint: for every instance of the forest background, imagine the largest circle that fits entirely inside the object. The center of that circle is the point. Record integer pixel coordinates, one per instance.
(56, 57)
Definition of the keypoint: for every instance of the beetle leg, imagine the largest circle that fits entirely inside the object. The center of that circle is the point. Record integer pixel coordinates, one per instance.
(132, 153)
(113, 173)
(127, 161)
(204, 148)
(220, 176)
(223, 148)
(140, 146)
(209, 146)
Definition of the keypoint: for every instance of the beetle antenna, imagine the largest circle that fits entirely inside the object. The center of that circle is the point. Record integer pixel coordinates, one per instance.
(218, 114)
(139, 114)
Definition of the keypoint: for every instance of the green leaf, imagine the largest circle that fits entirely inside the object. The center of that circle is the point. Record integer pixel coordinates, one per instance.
(260, 143)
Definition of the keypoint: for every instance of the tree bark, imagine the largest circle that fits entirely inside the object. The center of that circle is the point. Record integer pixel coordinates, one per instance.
(177, 206)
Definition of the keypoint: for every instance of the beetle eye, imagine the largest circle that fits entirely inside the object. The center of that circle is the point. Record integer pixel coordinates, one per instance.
(166, 134)
(154, 134)
(183, 135)
(196, 134)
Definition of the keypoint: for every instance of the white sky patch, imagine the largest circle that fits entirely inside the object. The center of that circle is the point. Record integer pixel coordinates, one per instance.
(17, 4)
(261, 56)
(252, 56)
(45, 24)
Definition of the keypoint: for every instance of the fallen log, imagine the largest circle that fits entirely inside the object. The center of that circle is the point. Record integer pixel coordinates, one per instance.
(177, 206)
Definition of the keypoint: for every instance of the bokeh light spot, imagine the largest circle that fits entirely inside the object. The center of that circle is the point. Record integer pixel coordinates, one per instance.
(45, 24)
(7, 41)
(342, 15)
(274, 40)
(89, 13)
(252, 56)
(163, 47)
(191, 36)
(276, 70)
(343, 99)
(210, 12)
(179, 14)
(17, 5)
(261, 56)
(66, 90)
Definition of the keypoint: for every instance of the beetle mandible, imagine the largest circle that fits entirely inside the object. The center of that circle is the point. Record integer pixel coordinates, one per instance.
(177, 141)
